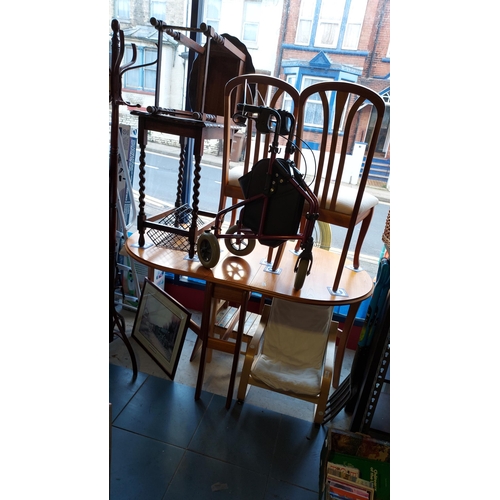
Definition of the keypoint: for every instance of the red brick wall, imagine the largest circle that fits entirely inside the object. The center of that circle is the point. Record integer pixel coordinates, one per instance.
(375, 36)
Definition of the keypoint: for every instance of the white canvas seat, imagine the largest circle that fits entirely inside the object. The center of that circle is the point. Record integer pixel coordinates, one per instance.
(292, 353)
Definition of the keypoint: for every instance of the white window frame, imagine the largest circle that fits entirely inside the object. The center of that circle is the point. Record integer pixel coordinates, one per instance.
(212, 13)
(252, 10)
(287, 100)
(157, 5)
(120, 7)
(144, 55)
(354, 25)
(330, 19)
(305, 22)
(311, 101)
(331, 102)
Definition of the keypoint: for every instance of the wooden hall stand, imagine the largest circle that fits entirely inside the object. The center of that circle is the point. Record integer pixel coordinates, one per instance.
(218, 61)
(185, 128)
(234, 278)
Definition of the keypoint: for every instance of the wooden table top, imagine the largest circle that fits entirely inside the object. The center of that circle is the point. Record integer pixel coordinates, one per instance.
(249, 272)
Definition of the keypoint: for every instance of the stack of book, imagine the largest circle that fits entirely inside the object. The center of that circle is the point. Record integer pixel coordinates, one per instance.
(345, 483)
(354, 466)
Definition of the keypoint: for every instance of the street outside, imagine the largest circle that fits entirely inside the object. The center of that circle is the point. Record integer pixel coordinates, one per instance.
(161, 185)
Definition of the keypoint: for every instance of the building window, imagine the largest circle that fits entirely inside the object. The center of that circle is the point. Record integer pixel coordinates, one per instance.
(212, 14)
(313, 116)
(384, 136)
(141, 78)
(287, 100)
(122, 9)
(354, 24)
(305, 23)
(329, 23)
(158, 9)
(251, 16)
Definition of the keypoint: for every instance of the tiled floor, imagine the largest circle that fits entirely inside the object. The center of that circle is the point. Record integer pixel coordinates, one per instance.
(167, 446)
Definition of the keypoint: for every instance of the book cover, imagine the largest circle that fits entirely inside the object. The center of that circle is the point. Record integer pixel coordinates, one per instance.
(336, 495)
(363, 483)
(351, 471)
(370, 470)
(348, 491)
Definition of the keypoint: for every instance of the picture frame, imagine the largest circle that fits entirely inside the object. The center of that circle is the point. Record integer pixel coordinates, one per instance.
(160, 327)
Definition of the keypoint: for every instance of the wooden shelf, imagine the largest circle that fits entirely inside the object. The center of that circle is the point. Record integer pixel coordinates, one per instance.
(226, 314)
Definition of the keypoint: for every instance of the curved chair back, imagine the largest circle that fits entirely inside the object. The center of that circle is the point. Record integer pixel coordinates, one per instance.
(335, 117)
(258, 90)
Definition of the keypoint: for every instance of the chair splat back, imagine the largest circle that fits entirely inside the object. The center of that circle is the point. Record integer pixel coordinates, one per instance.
(258, 90)
(333, 117)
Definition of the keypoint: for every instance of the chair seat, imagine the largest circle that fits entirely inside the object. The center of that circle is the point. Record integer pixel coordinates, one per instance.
(234, 174)
(345, 199)
(286, 377)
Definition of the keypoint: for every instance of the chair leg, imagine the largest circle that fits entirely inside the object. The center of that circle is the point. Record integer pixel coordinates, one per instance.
(233, 212)
(279, 254)
(319, 414)
(343, 337)
(245, 374)
(205, 325)
(301, 230)
(243, 385)
(250, 354)
(365, 224)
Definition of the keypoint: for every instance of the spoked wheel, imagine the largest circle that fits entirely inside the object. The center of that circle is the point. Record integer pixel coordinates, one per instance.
(208, 250)
(301, 273)
(239, 245)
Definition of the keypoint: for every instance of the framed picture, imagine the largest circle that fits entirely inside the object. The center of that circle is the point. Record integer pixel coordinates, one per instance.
(160, 327)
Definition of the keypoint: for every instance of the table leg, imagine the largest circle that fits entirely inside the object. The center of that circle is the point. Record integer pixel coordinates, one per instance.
(204, 328)
(213, 294)
(237, 348)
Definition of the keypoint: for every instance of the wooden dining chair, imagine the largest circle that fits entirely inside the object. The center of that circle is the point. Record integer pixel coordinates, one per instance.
(292, 353)
(334, 115)
(258, 90)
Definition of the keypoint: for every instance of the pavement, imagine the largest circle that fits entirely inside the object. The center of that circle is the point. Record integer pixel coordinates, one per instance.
(383, 194)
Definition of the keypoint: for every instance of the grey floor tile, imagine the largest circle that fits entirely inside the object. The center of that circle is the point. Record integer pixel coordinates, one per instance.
(122, 387)
(298, 451)
(165, 411)
(141, 468)
(279, 490)
(244, 435)
(202, 477)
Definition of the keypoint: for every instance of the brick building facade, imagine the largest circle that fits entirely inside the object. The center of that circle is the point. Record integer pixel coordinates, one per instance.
(340, 40)
(297, 40)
